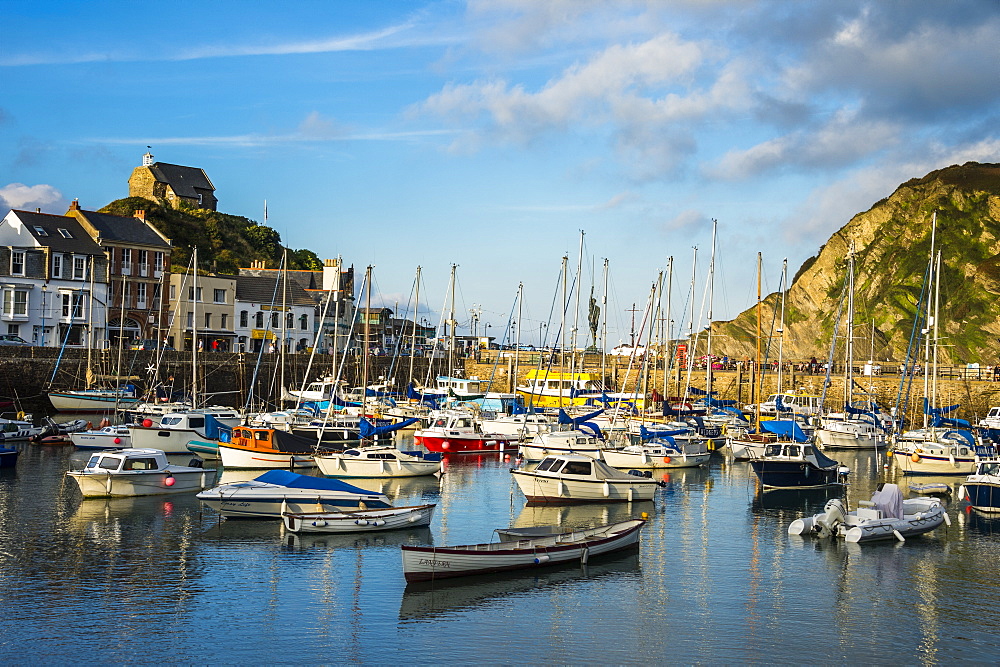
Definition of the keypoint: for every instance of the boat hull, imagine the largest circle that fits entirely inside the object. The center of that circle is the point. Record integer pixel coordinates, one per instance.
(97, 440)
(458, 444)
(934, 464)
(131, 484)
(433, 563)
(646, 461)
(795, 474)
(361, 521)
(561, 490)
(338, 465)
(69, 401)
(250, 459)
(170, 440)
(8, 457)
(834, 439)
(982, 496)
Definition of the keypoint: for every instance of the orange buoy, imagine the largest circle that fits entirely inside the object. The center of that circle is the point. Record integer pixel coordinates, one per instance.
(915, 458)
(666, 459)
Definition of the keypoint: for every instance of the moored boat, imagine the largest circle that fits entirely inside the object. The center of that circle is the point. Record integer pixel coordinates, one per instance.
(432, 563)
(267, 448)
(377, 461)
(982, 488)
(574, 478)
(358, 521)
(137, 472)
(107, 437)
(94, 400)
(455, 432)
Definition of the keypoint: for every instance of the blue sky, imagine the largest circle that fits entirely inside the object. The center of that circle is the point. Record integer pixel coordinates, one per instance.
(489, 133)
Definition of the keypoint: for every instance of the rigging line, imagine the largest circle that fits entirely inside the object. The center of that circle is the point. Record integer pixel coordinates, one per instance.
(496, 359)
(397, 349)
(546, 360)
(260, 351)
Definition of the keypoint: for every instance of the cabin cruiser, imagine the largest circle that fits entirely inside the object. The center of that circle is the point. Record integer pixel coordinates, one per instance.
(456, 432)
(562, 442)
(569, 478)
(138, 472)
(106, 437)
(377, 461)
(937, 451)
(796, 464)
(789, 402)
(177, 429)
(517, 425)
(982, 488)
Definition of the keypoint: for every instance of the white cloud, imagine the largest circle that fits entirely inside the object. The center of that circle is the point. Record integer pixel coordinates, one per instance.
(21, 196)
(689, 220)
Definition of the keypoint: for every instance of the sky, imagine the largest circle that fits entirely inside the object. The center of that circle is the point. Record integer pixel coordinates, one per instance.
(490, 134)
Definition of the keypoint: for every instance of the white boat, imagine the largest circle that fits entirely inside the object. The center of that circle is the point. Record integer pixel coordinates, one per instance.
(175, 430)
(377, 461)
(108, 437)
(432, 563)
(279, 491)
(93, 400)
(359, 521)
(562, 442)
(659, 453)
(570, 478)
(850, 433)
(935, 451)
(518, 425)
(18, 429)
(787, 403)
(137, 472)
(982, 488)
(885, 517)
(991, 420)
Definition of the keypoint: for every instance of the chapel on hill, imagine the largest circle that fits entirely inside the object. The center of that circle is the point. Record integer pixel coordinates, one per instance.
(173, 184)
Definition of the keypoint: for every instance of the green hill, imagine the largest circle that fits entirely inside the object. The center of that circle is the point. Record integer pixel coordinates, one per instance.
(225, 242)
(892, 241)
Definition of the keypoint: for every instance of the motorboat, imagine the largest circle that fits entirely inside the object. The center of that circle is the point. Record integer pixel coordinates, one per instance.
(520, 425)
(659, 450)
(938, 451)
(562, 442)
(378, 461)
(358, 521)
(432, 563)
(18, 427)
(281, 491)
(571, 478)
(176, 429)
(53, 433)
(784, 404)
(455, 432)
(795, 463)
(257, 448)
(106, 437)
(850, 433)
(554, 389)
(94, 400)
(744, 445)
(982, 488)
(885, 517)
(138, 472)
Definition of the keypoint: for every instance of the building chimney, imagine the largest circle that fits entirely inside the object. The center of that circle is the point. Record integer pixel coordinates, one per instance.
(141, 215)
(38, 210)
(75, 205)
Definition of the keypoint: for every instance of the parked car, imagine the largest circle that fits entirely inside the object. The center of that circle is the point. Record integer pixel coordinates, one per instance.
(11, 339)
(150, 344)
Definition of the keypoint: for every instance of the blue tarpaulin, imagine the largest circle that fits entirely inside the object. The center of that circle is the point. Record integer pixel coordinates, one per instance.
(784, 428)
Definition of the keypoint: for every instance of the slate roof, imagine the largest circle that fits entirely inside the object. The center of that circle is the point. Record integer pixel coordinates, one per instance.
(186, 181)
(254, 289)
(117, 228)
(81, 242)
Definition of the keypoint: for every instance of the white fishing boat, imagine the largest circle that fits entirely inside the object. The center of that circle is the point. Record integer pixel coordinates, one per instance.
(175, 430)
(138, 472)
(14, 429)
(885, 517)
(657, 454)
(107, 437)
(358, 521)
(562, 442)
(280, 491)
(432, 563)
(571, 478)
(377, 461)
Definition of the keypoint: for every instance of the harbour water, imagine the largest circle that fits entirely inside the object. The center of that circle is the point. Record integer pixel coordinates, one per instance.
(716, 579)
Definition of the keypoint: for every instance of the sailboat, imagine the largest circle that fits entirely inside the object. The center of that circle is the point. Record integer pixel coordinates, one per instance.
(944, 446)
(854, 428)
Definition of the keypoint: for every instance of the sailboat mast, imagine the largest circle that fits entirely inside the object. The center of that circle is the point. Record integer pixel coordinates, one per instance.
(416, 311)
(451, 319)
(937, 304)
(562, 325)
(757, 375)
(931, 320)
(517, 338)
(692, 341)
(576, 307)
(194, 330)
(604, 324)
(849, 371)
(711, 298)
(284, 314)
(781, 327)
(668, 359)
(364, 353)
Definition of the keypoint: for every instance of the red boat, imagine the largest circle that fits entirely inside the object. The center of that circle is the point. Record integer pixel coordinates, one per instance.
(456, 432)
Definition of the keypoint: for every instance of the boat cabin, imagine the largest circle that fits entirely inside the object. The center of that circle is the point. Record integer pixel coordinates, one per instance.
(195, 421)
(460, 386)
(127, 460)
(454, 421)
(575, 465)
(992, 419)
(793, 402)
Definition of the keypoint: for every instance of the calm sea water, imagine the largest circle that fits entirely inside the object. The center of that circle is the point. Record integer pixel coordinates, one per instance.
(717, 579)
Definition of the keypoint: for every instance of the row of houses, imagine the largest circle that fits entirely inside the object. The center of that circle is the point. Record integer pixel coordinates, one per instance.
(92, 279)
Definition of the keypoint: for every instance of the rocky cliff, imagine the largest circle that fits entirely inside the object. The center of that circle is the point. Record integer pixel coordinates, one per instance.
(892, 246)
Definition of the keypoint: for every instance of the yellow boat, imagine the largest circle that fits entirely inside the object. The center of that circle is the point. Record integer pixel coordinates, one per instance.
(554, 389)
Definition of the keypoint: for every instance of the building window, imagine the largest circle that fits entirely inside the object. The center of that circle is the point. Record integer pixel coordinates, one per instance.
(65, 233)
(274, 320)
(220, 296)
(15, 303)
(40, 231)
(190, 320)
(191, 294)
(173, 292)
(289, 321)
(72, 305)
(304, 322)
(259, 319)
(225, 321)
(14, 329)
(208, 320)
(143, 263)
(140, 295)
(244, 319)
(79, 268)
(17, 263)
(126, 261)
(57, 261)
(158, 261)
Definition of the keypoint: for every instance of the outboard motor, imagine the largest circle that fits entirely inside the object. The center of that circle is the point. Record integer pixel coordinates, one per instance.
(833, 515)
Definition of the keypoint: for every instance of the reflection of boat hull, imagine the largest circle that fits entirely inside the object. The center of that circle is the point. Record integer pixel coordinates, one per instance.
(361, 521)
(433, 563)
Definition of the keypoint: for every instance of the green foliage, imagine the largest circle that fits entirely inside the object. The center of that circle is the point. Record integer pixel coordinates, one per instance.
(225, 242)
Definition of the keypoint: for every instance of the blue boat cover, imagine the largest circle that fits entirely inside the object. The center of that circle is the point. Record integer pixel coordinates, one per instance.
(214, 429)
(855, 411)
(294, 480)
(576, 421)
(785, 427)
(647, 434)
(368, 430)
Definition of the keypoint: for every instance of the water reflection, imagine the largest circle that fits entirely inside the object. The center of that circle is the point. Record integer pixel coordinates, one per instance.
(449, 598)
(394, 538)
(580, 516)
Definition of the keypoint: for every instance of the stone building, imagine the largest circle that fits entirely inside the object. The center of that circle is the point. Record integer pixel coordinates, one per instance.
(173, 184)
(53, 280)
(273, 310)
(138, 267)
(202, 311)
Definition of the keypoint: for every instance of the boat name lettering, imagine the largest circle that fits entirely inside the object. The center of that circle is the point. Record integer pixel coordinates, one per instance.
(434, 562)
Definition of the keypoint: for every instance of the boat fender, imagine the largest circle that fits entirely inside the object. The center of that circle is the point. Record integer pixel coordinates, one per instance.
(915, 458)
(541, 559)
(947, 520)
(378, 522)
(169, 480)
(899, 535)
(361, 522)
(607, 490)
(414, 518)
(147, 423)
(666, 459)
(962, 492)
(118, 440)
(445, 445)
(319, 524)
